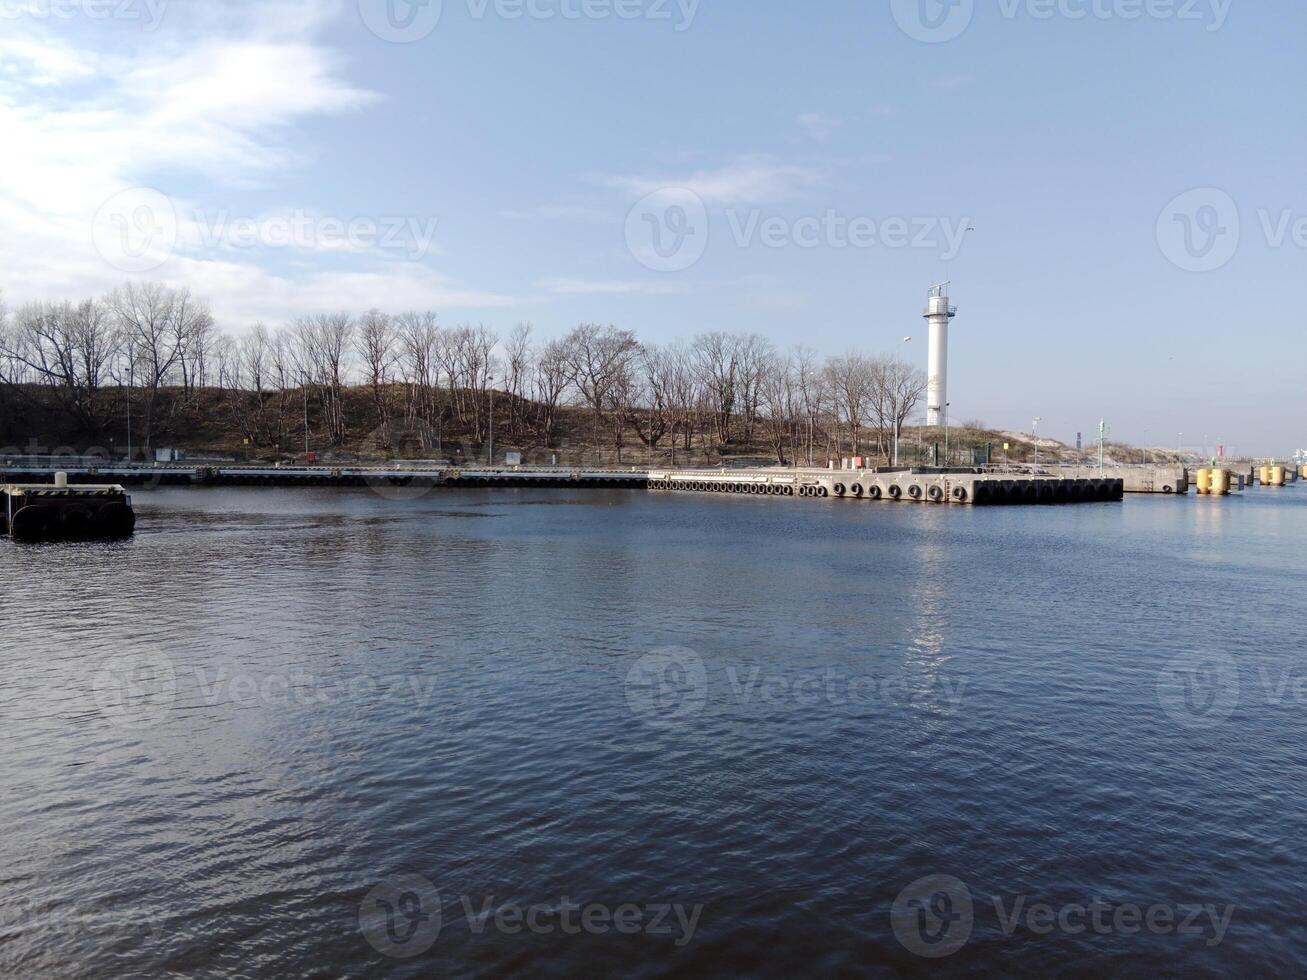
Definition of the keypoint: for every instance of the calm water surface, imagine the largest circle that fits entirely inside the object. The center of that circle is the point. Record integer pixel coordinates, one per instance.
(335, 734)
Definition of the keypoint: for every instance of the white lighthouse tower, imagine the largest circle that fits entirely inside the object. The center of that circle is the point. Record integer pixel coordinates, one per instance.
(938, 314)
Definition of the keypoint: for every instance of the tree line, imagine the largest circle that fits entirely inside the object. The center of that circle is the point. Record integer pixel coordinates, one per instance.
(156, 352)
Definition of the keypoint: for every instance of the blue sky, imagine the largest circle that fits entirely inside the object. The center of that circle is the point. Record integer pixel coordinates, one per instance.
(490, 164)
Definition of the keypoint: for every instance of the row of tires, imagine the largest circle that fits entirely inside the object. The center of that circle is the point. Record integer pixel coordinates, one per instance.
(980, 492)
(935, 493)
(717, 486)
(1048, 491)
(991, 491)
(71, 522)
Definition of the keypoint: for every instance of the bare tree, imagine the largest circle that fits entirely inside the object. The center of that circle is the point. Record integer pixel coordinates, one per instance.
(752, 358)
(850, 380)
(600, 358)
(257, 378)
(716, 367)
(68, 348)
(374, 344)
(478, 368)
(897, 390)
(553, 377)
(448, 343)
(647, 394)
(685, 394)
(323, 342)
(816, 395)
(782, 404)
(517, 373)
(419, 337)
(152, 319)
(192, 334)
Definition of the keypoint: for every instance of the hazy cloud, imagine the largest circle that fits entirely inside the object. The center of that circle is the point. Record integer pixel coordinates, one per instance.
(819, 125)
(748, 180)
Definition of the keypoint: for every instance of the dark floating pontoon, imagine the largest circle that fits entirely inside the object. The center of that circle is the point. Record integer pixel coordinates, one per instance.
(32, 512)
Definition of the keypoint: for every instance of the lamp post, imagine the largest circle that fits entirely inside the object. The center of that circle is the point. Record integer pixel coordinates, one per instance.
(490, 380)
(1035, 426)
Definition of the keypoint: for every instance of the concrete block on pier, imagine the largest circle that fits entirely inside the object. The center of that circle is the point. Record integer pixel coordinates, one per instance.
(1136, 479)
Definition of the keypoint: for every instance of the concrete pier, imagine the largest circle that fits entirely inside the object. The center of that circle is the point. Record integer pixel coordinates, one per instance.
(906, 486)
(895, 487)
(1137, 479)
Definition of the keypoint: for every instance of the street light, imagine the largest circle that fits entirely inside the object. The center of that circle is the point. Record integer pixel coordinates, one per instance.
(1035, 424)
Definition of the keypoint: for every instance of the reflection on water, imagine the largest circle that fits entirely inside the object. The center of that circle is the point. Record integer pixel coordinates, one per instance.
(339, 734)
(930, 592)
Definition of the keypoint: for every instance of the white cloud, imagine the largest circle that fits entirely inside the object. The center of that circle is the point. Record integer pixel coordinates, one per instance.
(42, 64)
(246, 85)
(748, 180)
(244, 293)
(575, 213)
(207, 102)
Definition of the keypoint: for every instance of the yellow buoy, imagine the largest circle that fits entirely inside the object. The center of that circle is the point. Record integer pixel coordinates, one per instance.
(1221, 480)
(1264, 476)
(1277, 476)
(1302, 472)
(1204, 481)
